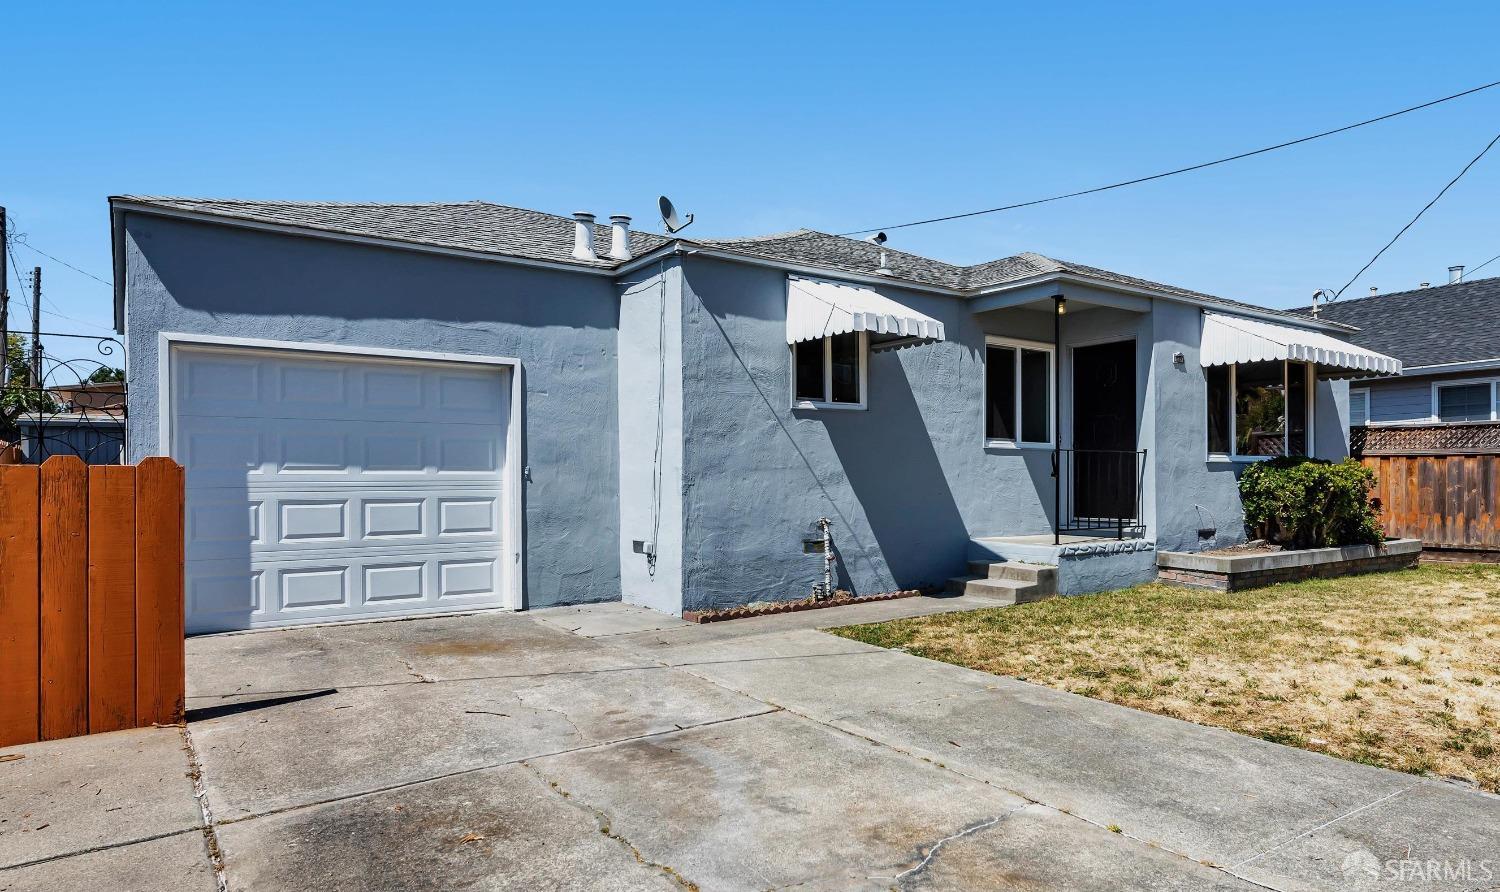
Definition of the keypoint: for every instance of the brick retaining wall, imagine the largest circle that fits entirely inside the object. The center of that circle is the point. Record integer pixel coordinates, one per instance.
(1228, 573)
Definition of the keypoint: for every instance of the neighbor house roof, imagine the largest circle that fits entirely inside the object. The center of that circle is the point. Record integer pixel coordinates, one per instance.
(504, 232)
(1457, 323)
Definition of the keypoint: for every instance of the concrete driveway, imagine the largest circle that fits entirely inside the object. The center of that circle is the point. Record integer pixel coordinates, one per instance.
(610, 747)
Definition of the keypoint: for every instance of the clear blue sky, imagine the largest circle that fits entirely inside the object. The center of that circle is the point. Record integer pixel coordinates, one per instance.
(765, 117)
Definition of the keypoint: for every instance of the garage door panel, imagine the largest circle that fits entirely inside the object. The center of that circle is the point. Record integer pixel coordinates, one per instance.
(281, 589)
(323, 489)
(220, 386)
(228, 452)
(222, 523)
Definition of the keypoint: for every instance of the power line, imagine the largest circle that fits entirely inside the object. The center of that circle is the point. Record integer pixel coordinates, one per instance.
(1482, 265)
(15, 269)
(1170, 173)
(22, 239)
(1412, 222)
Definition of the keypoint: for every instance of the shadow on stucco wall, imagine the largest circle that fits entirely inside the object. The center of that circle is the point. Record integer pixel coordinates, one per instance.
(726, 560)
(895, 477)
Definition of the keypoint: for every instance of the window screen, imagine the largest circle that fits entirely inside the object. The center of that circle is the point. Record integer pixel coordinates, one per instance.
(1000, 393)
(1359, 408)
(1296, 409)
(1218, 409)
(810, 370)
(845, 362)
(1036, 407)
(1259, 408)
(1464, 402)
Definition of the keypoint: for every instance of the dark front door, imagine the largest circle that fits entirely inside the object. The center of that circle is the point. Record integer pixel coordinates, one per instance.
(1103, 479)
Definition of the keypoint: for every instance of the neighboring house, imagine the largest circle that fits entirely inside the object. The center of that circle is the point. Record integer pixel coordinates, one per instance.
(389, 409)
(88, 420)
(96, 436)
(1448, 340)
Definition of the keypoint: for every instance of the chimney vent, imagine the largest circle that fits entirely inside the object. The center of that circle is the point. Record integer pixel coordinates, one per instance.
(583, 236)
(1425, 285)
(619, 237)
(1455, 274)
(1374, 290)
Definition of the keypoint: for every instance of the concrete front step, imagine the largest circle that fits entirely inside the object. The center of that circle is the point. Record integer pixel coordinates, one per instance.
(1043, 573)
(1009, 582)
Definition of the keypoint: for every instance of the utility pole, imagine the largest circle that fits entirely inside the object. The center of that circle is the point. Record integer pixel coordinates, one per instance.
(36, 328)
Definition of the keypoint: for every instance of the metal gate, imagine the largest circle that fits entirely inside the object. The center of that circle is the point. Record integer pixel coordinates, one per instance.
(62, 394)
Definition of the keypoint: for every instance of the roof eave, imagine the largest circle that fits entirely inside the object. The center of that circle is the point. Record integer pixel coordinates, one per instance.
(1075, 278)
(1463, 365)
(688, 247)
(117, 250)
(122, 205)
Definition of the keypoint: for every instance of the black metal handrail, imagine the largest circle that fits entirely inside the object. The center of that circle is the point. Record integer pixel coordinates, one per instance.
(1099, 490)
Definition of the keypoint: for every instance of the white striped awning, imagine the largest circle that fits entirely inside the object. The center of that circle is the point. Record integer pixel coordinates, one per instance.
(1231, 339)
(816, 308)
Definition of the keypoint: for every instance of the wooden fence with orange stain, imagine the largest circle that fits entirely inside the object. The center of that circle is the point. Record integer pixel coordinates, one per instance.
(91, 613)
(1447, 501)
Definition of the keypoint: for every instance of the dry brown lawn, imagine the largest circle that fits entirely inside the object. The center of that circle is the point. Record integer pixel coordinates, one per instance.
(1400, 670)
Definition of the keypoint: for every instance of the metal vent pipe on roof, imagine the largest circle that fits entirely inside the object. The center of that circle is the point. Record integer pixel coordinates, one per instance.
(583, 236)
(1455, 274)
(619, 237)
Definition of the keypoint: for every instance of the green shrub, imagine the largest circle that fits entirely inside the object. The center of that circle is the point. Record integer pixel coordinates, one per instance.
(1310, 503)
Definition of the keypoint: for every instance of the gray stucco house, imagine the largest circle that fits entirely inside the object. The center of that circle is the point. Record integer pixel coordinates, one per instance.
(390, 409)
(1448, 340)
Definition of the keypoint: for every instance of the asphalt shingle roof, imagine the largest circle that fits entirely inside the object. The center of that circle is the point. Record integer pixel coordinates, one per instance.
(506, 231)
(1445, 323)
(468, 226)
(822, 249)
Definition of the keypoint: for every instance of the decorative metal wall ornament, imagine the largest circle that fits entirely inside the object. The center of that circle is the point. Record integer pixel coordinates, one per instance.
(74, 406)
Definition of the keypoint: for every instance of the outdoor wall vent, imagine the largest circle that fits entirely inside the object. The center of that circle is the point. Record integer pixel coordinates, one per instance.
(583, 236)
(619, 237)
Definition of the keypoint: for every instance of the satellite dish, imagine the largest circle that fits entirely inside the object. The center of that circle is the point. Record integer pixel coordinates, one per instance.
(878, 238)
(669, 216)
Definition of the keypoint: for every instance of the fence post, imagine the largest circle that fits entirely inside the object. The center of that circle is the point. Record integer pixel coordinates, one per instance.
(111, 598)
(64, 597)
(160, 654)
(20, 604)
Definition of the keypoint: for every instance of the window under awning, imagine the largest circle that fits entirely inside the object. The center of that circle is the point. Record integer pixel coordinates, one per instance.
(1232, 339)
(816, 308)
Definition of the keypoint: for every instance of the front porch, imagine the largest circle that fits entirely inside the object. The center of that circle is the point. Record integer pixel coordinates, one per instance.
(1084, 563)
(1067, 374)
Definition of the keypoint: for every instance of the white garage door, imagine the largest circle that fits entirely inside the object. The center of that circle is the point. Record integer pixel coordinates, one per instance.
(322, 487)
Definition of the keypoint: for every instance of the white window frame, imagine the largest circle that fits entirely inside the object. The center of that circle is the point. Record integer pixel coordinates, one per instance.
(984, 403)
(1434, 418)
(1312, 414)
(827, 402)
(1366, 392)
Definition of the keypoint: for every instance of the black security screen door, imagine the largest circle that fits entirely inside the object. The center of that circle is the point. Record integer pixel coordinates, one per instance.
(1104, 471)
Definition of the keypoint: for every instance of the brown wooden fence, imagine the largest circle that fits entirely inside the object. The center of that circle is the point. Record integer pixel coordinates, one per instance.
(1437, 483)
(91, 635)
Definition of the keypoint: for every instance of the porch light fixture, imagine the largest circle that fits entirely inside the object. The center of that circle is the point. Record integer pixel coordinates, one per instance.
(1062, 305)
